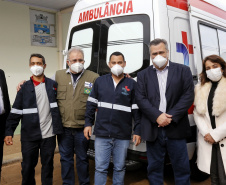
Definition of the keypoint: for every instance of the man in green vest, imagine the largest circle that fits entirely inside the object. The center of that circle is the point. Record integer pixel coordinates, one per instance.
(74, 87)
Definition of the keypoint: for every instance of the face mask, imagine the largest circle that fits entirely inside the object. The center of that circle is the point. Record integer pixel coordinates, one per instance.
(36, 70)
(77, 67)
(214, 74)
(117, 70)
(159, 61)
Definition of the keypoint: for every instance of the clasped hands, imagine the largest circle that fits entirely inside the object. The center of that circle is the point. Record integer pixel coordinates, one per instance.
(164, 120)
(208, 138)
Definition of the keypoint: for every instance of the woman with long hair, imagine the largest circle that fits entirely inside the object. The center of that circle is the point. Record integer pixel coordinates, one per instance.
(210, 118)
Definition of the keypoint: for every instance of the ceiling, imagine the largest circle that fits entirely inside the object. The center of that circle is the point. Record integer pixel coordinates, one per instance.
(56, 5)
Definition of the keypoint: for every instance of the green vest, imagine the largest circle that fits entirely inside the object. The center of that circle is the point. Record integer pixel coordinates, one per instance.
(72, 103)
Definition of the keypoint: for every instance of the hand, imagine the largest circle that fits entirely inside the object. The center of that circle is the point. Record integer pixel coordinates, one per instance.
(136, 140)
(87, 132)
(164, 120)
(127, 75)
(208, 138)
(18, 87)
(8, 140)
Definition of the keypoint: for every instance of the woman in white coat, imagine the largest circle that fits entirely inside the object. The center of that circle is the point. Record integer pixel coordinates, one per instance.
(210, 118)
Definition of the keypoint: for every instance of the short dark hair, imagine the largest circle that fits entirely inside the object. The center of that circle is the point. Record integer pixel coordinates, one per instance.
(38, 56)
(117, 53)
(214, 59)
(157, 41)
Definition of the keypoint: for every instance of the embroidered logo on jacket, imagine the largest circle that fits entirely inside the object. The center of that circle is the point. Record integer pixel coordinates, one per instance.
(88, 84)
(55, 89)
(125, 90)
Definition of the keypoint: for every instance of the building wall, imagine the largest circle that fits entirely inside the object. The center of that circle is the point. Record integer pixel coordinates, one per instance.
(15, 45)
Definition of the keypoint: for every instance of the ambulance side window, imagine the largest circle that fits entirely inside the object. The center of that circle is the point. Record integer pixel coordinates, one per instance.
(83, 39)
(209, 40)
(222, 42)
(213, 41)
(127, 38)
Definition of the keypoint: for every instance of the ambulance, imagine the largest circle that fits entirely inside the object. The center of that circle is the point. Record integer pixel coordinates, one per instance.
(192, 28)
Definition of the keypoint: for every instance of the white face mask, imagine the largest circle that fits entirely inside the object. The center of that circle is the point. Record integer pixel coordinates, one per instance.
(214, 74)
(36, 70)
(77, 67)
(159, 61)
(117, 70)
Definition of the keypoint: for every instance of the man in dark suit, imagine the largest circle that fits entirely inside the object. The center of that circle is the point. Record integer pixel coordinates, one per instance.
(4, 111)
(164, 94)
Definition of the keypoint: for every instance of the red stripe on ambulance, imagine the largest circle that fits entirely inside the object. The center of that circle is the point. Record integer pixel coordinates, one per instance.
(181, 4)
(208, 8)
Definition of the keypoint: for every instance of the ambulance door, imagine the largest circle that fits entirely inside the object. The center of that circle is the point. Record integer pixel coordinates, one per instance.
(181, 46)
(208, 27)
(129, 35)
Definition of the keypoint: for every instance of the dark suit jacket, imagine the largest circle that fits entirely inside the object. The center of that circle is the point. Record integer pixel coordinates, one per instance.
(179, 97)
(4, 116)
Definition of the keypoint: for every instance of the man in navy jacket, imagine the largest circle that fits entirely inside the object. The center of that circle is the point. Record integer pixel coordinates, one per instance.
(114, 96)
(35, 105)
(164, 94)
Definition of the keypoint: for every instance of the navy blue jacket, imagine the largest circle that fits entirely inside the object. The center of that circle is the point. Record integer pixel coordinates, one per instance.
(179, 97)
(116, 108)
(25, 108)
(7, 106)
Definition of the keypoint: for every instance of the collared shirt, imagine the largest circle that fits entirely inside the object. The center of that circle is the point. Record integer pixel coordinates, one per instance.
(162, 80)
(36, 82)
(2, 109)
(74, 83)
(43, 106)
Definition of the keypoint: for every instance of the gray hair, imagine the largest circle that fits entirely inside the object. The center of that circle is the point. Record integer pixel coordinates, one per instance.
(157, 41)
(75, 49)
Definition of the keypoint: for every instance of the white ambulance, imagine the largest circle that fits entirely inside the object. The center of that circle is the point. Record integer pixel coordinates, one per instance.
(193, 29)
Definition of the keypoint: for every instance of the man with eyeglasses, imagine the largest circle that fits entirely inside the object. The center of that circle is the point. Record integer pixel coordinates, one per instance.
(74, 87)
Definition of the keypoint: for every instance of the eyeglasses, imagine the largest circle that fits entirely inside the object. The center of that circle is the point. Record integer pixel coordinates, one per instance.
(76, 60)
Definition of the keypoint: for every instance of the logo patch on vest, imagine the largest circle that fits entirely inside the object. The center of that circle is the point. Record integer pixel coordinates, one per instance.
(125, 90)
(88, 84)
(87, 91)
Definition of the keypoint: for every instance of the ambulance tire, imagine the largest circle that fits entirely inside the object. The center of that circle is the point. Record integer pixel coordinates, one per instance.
(196, 174)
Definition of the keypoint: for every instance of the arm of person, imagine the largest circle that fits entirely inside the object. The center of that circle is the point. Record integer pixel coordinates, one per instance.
(18, 87)
(8, 140)
(186, 99)
(219, 132)
(201, 123)
(6, 95)
(135, 112)
(14, 116)
(136, 140)
(151, 112)
(136, 117)
(208, 138)
(91, 107)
